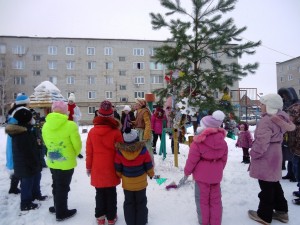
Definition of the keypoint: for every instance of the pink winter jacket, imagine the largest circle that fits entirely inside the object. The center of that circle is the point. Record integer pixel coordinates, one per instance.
(208, 156)
(157, 123)
(266, 152)
(244, 139)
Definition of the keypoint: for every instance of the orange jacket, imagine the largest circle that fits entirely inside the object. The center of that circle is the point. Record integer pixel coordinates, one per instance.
(100, 152)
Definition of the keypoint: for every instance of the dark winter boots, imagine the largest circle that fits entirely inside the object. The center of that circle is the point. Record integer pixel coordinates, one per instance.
(66, 215)
(246, 159)
(154, 150)
(14, 182)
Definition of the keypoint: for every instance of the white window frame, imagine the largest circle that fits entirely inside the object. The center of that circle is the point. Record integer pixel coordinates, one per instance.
(52, 64)
(19, 80)
(53, 79)
(70, 79)
(157, 79)
(2, 49)
(91, 65)
(91, 110)
(123, 87)
(281, 79)
(156, 66)
(70, 65)
(91, 51)
(122, 58)
(108, 51)
(138, 52)
(139, 80)
(18, 50)
(109, 80)
(18, 65)
(92, 94)
(151, 51)
(36, 73)
(139, 65)
(122, 72)
(91, 79)
(139, 94)
(108, 94)
(290, 77)
(123, 99)
(52, 50)
(70, 50)
(109, 65)
(36, 58)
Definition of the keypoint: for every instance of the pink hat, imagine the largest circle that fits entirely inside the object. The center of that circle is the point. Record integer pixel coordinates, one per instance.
(60, 107)
(106, 109)
(215, 120)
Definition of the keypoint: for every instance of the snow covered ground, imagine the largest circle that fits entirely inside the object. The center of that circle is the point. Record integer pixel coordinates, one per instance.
(176, 206)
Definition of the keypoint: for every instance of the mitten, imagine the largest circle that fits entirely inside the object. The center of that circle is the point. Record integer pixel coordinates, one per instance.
(88, 172)
(182, 180)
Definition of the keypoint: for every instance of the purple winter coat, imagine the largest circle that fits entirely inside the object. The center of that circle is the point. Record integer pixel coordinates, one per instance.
(266, 152)
(207, 156)
(244, 139)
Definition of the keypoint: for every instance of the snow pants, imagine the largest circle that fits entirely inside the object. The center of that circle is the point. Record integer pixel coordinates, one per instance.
(271, 197)
(135, 207)
(30, 189)
(296, 169)
(210, 203)
(106, 202)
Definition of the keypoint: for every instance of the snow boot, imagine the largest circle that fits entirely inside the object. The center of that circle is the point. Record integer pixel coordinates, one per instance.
(30, 206)
(68, 214)
(112, 222)
(296, 201)
(247, 160)
(154, 150)
(243, 159)
(101, 220)
(52, 210)
(296, 193)
(253, 215)
(280, 216)
(14, 182)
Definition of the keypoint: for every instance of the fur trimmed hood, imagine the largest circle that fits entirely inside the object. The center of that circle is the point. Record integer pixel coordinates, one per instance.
(130, 151)
(109, 121)
(282, 120)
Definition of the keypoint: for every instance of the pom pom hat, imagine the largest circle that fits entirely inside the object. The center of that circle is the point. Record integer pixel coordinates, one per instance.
(71, 97)
(273, 103)
(130, 135)
(127, 108)
(60, 107)
(215, 120)
(106, 109)
(22, 99)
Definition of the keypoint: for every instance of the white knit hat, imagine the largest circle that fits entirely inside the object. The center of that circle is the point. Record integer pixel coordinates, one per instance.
(127, 108)
(214, 120)
(72, 97)
(273, 103)
(130, 135)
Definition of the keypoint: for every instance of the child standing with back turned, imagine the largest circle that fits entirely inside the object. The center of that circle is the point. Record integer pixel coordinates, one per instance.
(244, 141)
(206, 161)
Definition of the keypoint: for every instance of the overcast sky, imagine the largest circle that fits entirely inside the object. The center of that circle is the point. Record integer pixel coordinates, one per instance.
(274, 22)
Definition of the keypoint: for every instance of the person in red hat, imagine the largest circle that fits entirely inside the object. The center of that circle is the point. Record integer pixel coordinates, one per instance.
(100, 155)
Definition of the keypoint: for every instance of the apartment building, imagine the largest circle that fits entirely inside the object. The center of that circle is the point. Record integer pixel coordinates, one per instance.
(94, 69)
(288, 74)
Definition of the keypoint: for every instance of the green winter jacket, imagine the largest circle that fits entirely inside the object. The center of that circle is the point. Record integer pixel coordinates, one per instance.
(62, 140)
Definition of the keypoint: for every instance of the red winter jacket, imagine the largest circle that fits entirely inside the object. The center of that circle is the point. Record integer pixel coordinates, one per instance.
(100, 152)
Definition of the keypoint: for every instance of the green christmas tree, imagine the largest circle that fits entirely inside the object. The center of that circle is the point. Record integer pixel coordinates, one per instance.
(198, 38)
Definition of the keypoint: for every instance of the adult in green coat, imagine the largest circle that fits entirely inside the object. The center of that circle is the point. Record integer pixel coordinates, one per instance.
(63, 142)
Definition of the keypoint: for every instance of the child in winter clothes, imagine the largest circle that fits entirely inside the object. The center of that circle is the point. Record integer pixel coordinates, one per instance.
(127, 118)
(133, 164)
(206, 161)
(266, 160)
(158, 119)
(100, 155)
(244, 141)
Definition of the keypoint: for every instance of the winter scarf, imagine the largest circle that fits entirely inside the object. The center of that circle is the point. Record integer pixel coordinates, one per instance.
(71, 111)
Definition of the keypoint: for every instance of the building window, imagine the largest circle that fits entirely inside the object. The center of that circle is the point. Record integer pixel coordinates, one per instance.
(123, 99)
(109, 80)
(139, 80)
(122, 72)
(91, 65)
(139, 94)
(18, 65)
(36, 58)
(2, 49)
(109, 65)
(108, 94)
(108, 51)
(36, 73)
(70, 51)
(19, 80)
(92, 95)
(156, 79)
(1, 64)
(122, 59)
(156, 66)
(53, 79)
(281, 79)
(52, 65)
(18, 50)
(90, 50)
(290, 77)
(70, 80)
(138, 52)
(91, 109)
(138, 65)
(52, 50)
(70, 65)
(151, 51)
(91, 79)
(122, 87)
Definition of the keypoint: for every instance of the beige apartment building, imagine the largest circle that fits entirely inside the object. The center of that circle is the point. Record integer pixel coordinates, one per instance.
(288, 74)
(93, 69)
